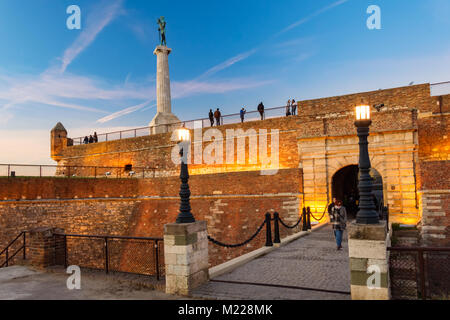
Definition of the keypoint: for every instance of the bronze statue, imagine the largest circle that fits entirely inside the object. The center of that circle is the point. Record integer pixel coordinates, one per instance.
(162, 31)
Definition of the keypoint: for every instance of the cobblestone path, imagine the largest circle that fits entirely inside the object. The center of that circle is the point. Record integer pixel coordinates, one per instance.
(310, 262)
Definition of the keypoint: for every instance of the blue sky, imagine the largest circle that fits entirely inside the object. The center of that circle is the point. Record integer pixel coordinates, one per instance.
(225, 54)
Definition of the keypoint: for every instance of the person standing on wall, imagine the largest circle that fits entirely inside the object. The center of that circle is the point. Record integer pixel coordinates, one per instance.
(86, 140)
(338, 219)
(211, 117)
(261, 110)
(294, 107)
(242, 114)
(217, 115)
(288, 108)
(95, 137)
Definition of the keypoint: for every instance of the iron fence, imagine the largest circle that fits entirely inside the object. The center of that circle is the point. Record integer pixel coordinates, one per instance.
(28, 170)
(419, 272)
(137, 255)
(269, 113)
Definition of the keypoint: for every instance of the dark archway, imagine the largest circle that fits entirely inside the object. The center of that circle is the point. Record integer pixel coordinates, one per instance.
(345, 187)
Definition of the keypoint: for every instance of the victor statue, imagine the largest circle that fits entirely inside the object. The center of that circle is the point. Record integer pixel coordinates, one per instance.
(162, 31)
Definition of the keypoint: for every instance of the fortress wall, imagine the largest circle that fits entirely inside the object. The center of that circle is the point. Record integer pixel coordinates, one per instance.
(233, 211)
(417, 96)
(434, 178)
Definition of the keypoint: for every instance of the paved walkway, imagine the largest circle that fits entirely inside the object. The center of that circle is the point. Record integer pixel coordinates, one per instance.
(309, 262)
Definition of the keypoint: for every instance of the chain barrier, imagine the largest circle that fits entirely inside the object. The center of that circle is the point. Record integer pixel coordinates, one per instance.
(324, 211)
(238, 244)
(290, 227)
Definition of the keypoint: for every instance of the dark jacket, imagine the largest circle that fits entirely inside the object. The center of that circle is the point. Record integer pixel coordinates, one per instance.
(338, 218)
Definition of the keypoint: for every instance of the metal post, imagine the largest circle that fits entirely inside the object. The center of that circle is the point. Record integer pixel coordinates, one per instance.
(106, 256)
(422, 275)
(7, 256)
(24, 246)
(269, 242)
(65, 251)
(366, 213)
(304, 222)
(9, 170)
(157, 259)
(40, 171)
(185, 215)
(276, 228)
(308, 215)
(135, 135)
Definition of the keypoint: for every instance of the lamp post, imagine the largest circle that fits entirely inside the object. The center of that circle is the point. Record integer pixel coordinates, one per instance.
(366, 213)
(185, 215)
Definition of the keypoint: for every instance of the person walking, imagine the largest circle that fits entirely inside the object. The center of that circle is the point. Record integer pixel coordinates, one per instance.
(294, 107)
(217, 115)
(338, 219)
(261, 110)
(288, 108)
(211, 117)
(242, 114)
(331, 206)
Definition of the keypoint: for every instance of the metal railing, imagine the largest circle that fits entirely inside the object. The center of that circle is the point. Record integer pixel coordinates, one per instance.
(419, 272)
(276, 112)
(72, 171)
(13, 249)
(136, 255)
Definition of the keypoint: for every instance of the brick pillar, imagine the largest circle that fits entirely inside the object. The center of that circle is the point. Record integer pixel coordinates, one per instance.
(43, 246)
(186, 256)
(367, 246)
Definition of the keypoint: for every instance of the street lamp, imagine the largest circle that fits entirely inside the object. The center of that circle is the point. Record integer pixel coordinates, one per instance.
(185, 215)
(366, 213)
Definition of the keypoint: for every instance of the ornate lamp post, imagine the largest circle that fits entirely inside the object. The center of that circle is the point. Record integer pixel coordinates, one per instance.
(185, 215)
(366, 213)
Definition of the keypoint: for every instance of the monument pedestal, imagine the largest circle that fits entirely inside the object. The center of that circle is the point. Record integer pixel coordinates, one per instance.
(161, 123)
(369, 261)
(186, 256)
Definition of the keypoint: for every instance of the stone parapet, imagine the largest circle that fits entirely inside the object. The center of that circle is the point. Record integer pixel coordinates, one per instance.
(186, 256)
(369, 261)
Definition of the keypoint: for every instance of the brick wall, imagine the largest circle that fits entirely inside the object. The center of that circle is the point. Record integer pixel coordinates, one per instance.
(232, 204)
(434, 179)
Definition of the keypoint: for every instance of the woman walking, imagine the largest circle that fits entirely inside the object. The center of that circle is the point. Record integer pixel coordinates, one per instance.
(338, 219)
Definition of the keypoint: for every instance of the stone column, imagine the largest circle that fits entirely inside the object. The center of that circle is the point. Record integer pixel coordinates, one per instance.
(44, 247)
(369, 260)
(164, 116)
(186, 256)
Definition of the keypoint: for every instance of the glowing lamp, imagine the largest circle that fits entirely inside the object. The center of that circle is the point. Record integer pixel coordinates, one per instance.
(362, 113)
(183, 135)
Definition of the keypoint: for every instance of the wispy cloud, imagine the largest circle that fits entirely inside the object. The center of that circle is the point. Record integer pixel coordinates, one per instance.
(126, 111)
(228, 63)
(99, 18)
(311, 16)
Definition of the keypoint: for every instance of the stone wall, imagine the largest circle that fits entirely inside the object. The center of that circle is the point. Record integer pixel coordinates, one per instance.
(233, 205)
(434, 178)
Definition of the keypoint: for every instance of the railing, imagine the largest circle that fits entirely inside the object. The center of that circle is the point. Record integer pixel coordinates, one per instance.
(419, 272)
(136, 255)
(276, 112)
(11, 250)
(28, 170)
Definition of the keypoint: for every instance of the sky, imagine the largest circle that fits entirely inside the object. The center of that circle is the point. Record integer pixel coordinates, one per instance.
(226, 54)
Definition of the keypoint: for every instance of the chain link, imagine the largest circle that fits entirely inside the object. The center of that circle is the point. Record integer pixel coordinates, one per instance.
(238, 244)
(324, 211)
(290, 227)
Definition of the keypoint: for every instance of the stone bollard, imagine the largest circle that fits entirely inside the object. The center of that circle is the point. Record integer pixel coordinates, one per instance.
(186, 256)
(369, 261)
(43, 246)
